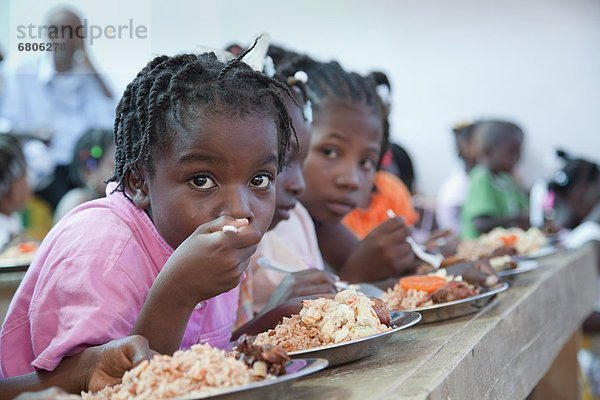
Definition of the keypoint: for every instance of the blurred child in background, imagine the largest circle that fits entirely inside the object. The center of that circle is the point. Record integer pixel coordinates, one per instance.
(575, 189)
(93, 164)
(397, 161)
(14, 189)
(494, 198)
(395, 158)
(454, 190)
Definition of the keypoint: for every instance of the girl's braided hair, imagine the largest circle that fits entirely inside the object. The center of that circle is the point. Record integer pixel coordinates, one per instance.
(330, 82)
(156, 103)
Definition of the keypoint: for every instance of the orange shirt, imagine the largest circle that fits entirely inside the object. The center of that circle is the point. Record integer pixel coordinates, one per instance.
(390, 194)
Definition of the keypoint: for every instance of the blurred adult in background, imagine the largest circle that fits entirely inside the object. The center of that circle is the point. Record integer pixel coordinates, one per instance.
(454, 190)
(57, 96)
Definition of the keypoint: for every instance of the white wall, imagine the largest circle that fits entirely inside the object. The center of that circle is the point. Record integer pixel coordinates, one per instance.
(536, 62)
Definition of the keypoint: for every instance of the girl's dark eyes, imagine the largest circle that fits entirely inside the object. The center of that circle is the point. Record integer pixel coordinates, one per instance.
(203, 182)
(262, 181)
(368, 164)
(330, 153)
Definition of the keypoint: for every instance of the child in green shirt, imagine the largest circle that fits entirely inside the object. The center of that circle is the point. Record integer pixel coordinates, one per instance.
(494, 198)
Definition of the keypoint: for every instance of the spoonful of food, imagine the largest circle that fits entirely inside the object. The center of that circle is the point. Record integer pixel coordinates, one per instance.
(434, 259)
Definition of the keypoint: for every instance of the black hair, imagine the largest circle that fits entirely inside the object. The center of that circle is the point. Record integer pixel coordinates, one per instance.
(280, 56)
(12, 162)
(377, 79)
(464, 130)
(330, 82)
(154, 103)
(406, 171)
(491, 133)
(575, 171)
(380, 78)
(90, 150)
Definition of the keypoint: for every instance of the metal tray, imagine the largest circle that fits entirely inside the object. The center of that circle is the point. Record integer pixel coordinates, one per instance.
(277, 388)
(522, 267)
(13, 264)
(357, 349)
(458, 308)
(542, 252)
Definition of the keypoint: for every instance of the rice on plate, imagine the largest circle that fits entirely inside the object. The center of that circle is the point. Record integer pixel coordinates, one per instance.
(524, 242)
(348, 316)
(419, 291)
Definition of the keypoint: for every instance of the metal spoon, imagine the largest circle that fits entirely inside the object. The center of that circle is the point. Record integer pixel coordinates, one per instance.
(366, 288)
(434, 259)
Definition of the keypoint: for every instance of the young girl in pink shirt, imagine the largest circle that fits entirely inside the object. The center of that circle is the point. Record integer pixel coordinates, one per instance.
(198, 146)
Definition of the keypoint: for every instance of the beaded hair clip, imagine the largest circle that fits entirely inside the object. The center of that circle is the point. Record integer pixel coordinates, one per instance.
(301, 76)
(257, 57)
(462, 125)
(92, 156)
(383, 91)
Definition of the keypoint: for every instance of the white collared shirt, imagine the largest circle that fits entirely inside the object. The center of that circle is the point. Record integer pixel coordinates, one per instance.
(38, 99)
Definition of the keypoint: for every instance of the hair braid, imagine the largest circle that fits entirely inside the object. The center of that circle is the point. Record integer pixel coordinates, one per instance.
(169, 85)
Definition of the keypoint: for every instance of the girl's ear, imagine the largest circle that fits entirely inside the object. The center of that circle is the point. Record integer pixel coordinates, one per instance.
(138, 189)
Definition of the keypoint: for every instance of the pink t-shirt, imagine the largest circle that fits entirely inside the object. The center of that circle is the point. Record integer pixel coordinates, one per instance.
(87, 284)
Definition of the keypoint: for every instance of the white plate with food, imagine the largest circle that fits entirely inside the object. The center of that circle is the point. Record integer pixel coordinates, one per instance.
(346, 328)
(273, 389)
(248, 372)
(17, 257)
(356, 349)
(504, 241)
(541, 252)
(462, 307)
(522, 267)
(438, 296)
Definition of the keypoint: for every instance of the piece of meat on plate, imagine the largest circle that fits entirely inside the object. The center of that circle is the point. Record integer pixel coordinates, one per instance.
(454, 290)
(381, 310)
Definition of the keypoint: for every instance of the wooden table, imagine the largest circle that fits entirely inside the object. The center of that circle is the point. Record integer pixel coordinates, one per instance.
(499, 353)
